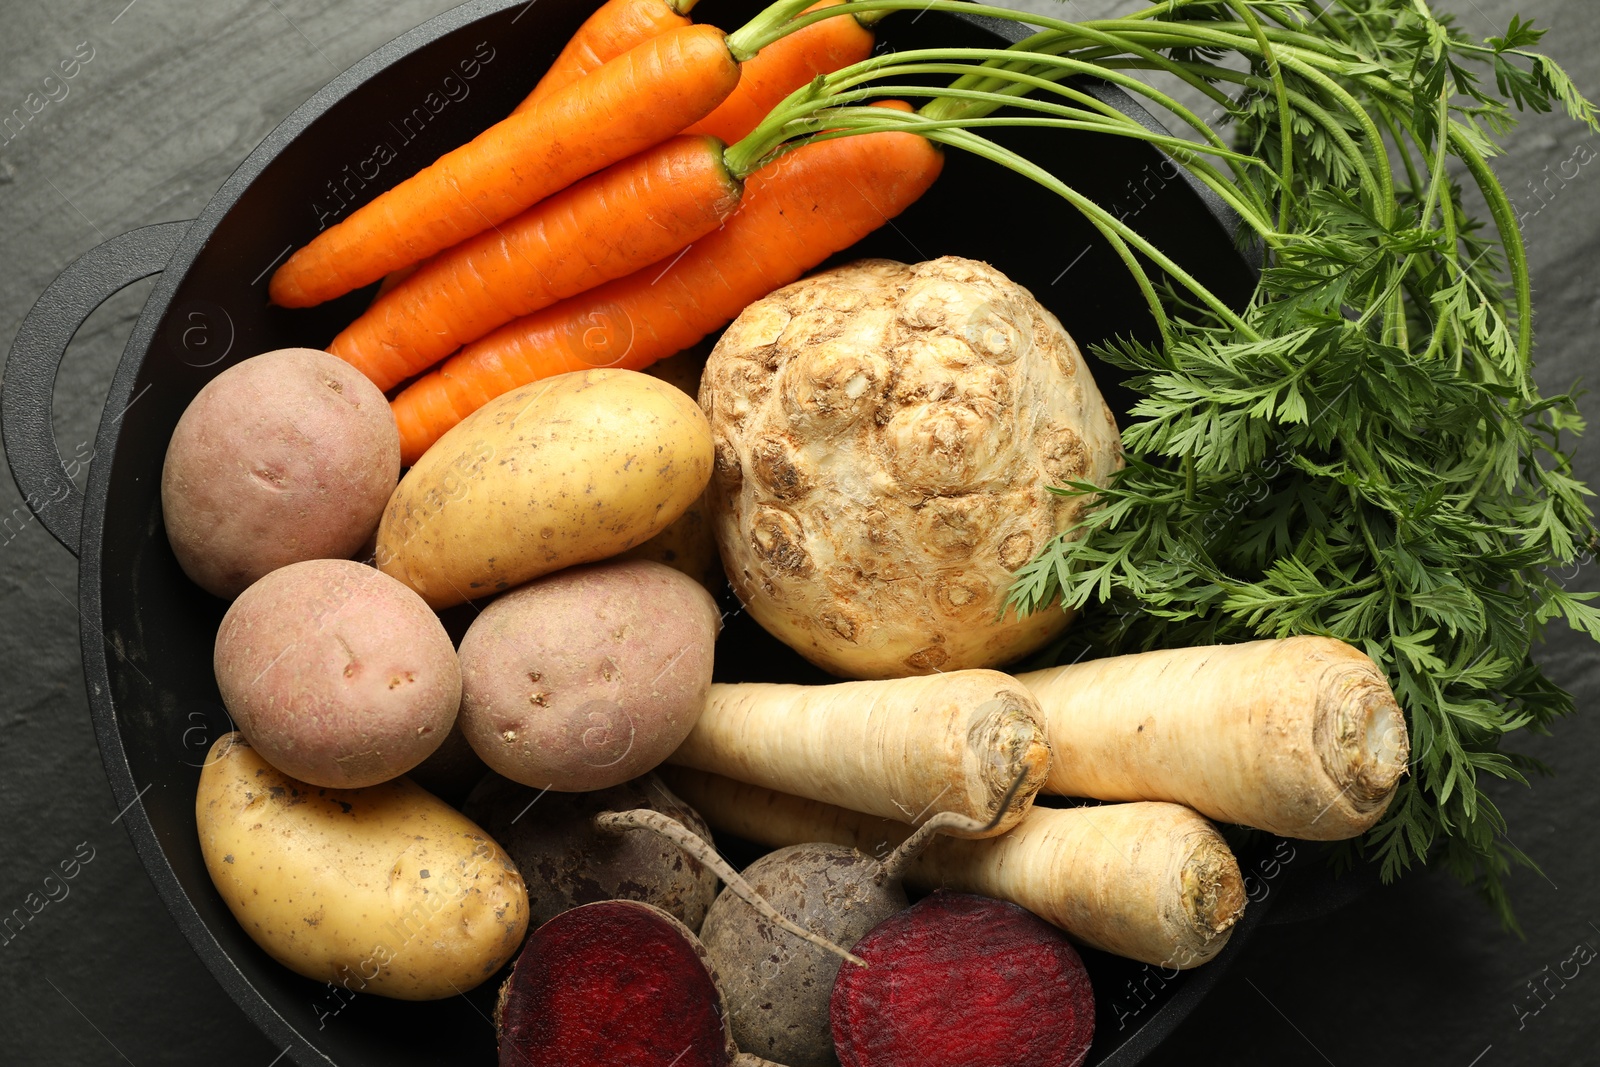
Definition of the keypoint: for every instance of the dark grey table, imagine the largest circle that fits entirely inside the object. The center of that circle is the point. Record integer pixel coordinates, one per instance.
(167, 96)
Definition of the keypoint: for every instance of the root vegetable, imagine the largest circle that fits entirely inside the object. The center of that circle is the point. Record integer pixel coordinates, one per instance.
(618, 983)
(615, 27)
(1301, 737)
(566, 471)
(339, 675)
(784, 66)
(588, 677)
(964, 981)
(691, 844)
(1151, 881)
(886, 436)
(902, 749)
(286, 457)
(778, 987)
(626, 105)
(384, 890)
(635, 212)
(686, 839)
(567, 862)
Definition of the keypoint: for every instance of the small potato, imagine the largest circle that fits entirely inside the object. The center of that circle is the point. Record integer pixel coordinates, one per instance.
(572, 469)
(338, 674)
(285, 457)
(590, 677)
(386, 890)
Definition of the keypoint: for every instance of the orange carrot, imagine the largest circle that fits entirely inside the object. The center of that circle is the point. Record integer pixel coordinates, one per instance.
(610, 224)
(615, 27)
(634, 101)
(819, 199)
(395, 277)
(784, 66)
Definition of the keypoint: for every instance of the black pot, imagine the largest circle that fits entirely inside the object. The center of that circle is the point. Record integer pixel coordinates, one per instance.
(147, 632)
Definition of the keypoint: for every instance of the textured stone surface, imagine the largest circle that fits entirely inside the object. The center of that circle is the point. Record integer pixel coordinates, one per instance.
(176, 94)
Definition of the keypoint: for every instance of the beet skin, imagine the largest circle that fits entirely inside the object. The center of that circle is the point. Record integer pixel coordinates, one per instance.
(963, 981)
(613, 984)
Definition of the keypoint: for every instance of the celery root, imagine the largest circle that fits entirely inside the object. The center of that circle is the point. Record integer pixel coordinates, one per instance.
(1151, 881)
(904, 748)
(1301, 737)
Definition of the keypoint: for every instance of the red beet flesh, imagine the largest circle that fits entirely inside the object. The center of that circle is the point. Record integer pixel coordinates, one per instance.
(613, 984)
(963, 981)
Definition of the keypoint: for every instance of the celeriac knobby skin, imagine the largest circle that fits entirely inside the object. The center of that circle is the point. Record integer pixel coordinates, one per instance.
(384, 890)
(568, 470)
(1301, 737)
(886, 436)
(900, 748)
(1151, 881)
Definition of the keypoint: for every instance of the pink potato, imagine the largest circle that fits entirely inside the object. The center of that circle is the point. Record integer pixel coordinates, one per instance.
(288, 456)
(588, 677)
(337, 674)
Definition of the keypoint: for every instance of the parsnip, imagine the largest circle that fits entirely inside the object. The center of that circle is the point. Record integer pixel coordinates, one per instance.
(1301, 737)
(903, 749)
(1151, 881)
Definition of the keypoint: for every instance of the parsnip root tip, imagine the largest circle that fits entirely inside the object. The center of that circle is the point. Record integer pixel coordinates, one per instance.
(1362, 740)
(1213, 888)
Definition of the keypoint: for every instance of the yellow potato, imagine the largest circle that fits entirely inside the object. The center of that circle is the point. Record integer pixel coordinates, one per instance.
(568, 470)
(382, 890)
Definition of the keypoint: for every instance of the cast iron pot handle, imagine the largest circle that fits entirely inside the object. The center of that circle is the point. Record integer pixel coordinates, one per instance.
(36, 354)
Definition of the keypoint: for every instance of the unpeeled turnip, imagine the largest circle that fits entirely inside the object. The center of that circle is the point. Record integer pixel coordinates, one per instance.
(886, 436)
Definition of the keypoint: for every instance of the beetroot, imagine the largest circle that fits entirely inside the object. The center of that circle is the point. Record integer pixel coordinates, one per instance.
(779, 986)
(618, 983)
(614, 984)
(567, 860)
(959, 980)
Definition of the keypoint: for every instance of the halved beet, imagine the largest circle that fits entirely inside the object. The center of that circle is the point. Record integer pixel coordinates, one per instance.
(959, 980)
(618, 984)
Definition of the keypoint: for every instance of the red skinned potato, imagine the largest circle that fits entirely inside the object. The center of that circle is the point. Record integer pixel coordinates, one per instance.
(288, 456)
(589, 677)
(337, 674)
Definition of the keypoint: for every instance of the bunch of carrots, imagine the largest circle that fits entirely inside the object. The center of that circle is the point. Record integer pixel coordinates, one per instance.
(601, 224)
(660, 177)
(663, 175)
